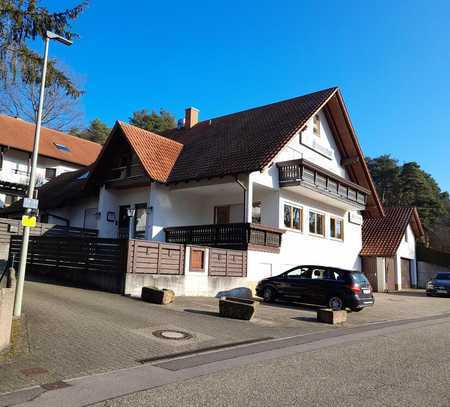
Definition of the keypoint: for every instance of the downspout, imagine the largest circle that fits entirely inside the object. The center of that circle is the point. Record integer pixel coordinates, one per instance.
(244, 188)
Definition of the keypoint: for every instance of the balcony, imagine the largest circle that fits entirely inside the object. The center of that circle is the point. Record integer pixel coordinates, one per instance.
(131, 175)
(303, 173)
(241, 236)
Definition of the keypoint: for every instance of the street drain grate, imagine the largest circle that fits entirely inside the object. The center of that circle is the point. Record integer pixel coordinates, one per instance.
(172, 334)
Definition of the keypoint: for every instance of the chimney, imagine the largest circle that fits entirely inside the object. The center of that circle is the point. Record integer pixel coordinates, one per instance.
(191, 117)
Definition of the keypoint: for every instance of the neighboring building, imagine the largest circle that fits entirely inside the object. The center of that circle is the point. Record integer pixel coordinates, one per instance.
(389, 249)
(286, 182)
(58, 153)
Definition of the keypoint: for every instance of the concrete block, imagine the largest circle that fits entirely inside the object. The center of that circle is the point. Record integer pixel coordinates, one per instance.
(329, 316)
(157, 296)
(236, 308)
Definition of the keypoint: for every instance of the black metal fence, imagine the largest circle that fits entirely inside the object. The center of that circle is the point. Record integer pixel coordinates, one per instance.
(80, 261)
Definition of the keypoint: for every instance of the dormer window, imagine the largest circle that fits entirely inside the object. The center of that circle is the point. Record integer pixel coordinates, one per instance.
(316, 125)
(62, 147)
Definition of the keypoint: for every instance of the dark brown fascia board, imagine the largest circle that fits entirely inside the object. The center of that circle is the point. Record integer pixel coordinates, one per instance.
(360, 153)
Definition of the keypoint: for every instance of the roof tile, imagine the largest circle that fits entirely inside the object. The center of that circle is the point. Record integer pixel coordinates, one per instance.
(382, 235)
(19, 134)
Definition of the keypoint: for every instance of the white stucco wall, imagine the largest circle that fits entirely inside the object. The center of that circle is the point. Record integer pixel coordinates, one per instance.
(15, 166)
(407, 250)
(111, 199)
(75, 214)
(295, 149)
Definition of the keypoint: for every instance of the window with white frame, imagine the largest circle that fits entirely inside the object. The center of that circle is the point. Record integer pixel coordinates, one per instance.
(316, 125)
(256, 212)
(336, 228)
(316, 223)
(293, 217)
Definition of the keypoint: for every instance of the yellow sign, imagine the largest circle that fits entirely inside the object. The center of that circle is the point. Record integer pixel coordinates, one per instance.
(29, 221)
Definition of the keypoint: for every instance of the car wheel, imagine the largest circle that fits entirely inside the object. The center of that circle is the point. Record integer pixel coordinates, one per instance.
(429, 295)
(335, 303)
(268, 294)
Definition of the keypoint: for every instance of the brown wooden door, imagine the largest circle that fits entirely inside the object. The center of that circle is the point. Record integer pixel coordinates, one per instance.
(389, 273)
(406, 273)
(222, 214)
(197, 260)
(369, 268)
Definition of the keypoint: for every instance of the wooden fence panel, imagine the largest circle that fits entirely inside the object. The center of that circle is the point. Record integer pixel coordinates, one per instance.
(13, 227)
(151, 257)
(227, 263)
(87, 262)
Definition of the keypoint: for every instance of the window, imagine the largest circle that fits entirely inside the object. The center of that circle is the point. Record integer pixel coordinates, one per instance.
(336, 228)
(316, 125)
(300, 272)
(406, 236)
(50, 173)
(293, 217)
(10, 199)
(62, 147)
(222, 214)
(318, 274)
(256, 212)
(316, 223)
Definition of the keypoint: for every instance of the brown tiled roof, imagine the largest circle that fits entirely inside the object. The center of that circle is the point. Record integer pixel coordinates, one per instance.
(19, 134)
(382, 236)
(242, 142)
(157, 154)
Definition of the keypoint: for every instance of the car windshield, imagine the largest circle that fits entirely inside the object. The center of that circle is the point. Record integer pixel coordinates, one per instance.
(443, 276)
(360, 278)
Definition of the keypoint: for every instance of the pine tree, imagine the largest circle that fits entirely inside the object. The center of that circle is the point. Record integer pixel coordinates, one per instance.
(22, 21)
(152, 121)
(97, 132)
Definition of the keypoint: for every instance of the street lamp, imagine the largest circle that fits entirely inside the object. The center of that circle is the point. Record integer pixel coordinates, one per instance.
(26, 230)
(131, 212)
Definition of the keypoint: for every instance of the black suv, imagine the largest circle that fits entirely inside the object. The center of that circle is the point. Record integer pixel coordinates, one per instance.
(329, 286)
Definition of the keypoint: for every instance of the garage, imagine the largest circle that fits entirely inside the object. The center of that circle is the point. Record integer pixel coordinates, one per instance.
(405, 270)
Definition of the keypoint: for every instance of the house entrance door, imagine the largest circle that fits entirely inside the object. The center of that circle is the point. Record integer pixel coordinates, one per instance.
(124, 222)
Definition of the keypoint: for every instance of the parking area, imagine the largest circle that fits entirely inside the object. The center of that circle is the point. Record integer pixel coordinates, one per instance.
(69, 332)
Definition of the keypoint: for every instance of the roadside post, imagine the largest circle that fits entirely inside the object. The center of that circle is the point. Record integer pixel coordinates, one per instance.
(29, 219)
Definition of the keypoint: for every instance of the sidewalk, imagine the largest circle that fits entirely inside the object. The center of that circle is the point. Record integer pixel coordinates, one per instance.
(70, 332)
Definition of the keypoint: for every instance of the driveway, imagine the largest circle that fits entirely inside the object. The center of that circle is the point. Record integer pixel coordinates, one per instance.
(71, 332)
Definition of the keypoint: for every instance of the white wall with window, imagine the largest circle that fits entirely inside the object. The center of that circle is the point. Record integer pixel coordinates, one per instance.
(15, 167)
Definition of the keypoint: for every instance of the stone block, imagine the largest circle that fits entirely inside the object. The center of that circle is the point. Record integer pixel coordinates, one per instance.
(157, 296)
(236, 308)
(329, 316)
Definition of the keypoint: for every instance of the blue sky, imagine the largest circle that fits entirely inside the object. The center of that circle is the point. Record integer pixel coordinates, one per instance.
(390, 59)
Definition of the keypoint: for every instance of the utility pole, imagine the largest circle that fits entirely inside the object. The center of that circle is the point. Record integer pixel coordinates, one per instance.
(32, 183)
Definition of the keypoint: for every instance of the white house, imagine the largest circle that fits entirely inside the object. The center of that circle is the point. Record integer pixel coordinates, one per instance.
(58, 153)
(286, 182)
(389, 249)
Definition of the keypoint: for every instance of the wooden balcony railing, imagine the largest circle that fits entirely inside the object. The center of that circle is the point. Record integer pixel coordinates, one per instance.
(126, 171)
(241, 236)
(303, 172)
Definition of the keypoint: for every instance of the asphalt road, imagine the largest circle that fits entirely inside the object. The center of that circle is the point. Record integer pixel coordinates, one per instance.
(410, 367)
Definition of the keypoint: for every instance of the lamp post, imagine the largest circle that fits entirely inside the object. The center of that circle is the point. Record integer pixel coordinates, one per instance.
(131, 212)
(37, 135)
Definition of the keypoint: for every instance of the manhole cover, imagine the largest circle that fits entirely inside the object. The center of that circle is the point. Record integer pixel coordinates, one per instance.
(172, 335)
